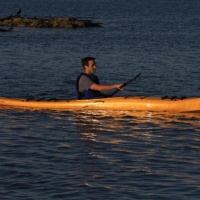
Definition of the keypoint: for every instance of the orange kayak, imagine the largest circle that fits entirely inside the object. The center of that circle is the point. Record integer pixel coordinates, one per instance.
(114, 103)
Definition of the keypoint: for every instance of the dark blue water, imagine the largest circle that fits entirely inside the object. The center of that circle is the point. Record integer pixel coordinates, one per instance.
(100, 154)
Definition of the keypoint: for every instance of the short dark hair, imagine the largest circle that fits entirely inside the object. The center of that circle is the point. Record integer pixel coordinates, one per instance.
(85, 60)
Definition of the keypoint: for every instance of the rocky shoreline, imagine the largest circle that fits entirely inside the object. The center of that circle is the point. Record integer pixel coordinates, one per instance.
(62, 22)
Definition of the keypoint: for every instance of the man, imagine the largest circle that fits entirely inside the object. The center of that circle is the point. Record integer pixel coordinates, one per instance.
(87, 84)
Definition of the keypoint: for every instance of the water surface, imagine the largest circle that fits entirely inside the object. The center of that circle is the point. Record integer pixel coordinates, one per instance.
(101, 154)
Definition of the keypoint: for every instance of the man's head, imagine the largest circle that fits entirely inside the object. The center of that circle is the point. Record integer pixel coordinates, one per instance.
(89, 65)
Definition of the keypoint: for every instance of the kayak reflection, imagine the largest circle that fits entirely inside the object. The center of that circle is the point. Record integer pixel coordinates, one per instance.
(99, 125)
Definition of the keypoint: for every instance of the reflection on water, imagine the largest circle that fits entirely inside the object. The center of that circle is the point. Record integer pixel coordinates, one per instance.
(133, 133)
(95, 122)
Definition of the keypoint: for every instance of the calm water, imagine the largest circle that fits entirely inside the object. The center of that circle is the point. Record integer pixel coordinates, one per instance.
(96, 154)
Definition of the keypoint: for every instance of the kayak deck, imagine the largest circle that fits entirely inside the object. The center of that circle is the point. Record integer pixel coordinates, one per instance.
(113, 103)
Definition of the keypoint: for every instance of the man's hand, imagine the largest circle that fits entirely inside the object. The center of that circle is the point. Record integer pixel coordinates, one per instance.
(120, 87)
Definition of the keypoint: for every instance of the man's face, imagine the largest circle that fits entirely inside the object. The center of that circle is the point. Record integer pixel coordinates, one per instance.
(91, 67)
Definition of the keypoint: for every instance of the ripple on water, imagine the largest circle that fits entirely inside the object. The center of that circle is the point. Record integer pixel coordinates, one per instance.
(115, 153)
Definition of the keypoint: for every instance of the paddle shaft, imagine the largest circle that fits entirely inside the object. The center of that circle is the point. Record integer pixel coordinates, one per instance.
(125, 84)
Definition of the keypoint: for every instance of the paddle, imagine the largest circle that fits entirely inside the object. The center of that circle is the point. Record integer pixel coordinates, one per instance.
(125, 84)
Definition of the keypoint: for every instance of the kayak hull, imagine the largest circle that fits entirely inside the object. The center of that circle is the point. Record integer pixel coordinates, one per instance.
(114, 103)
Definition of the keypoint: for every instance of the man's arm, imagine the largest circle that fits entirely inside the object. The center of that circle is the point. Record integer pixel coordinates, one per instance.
(101, 88)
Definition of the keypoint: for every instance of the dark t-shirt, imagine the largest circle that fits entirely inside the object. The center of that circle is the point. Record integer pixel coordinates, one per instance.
(85, 83)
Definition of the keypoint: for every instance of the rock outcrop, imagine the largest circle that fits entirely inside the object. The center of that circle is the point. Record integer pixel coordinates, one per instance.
(63, 22)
